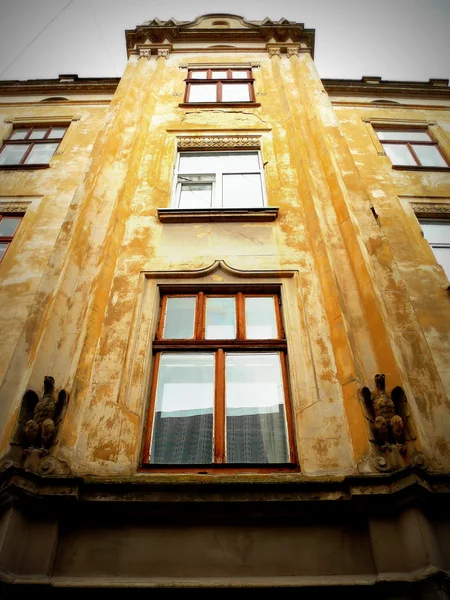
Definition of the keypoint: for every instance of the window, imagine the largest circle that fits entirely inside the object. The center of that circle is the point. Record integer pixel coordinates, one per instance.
(219, 390)
(219, 85)
(8, 227)
(31, 145)
(411, 148)
(437, 234)
(218, 180)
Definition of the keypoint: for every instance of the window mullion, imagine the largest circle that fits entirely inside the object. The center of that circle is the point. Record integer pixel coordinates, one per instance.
(27, 153)
(219, 408)
(151, 412)
(199, 333)
(240, 316)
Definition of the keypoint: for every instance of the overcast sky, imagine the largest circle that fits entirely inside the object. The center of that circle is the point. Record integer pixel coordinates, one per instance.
(394, 39)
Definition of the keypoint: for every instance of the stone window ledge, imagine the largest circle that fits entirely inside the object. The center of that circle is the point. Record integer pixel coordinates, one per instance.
(420, 168)
(201, 215)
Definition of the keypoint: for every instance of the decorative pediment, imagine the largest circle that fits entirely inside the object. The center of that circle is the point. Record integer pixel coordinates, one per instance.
(221, 28)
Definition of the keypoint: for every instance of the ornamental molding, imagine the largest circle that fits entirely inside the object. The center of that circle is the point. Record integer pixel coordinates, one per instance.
(13, 207)
(428, 208)
(247, 141)
(163, 53)
(274, 52)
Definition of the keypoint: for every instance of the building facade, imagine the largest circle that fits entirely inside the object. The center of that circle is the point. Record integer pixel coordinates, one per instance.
(225, 322)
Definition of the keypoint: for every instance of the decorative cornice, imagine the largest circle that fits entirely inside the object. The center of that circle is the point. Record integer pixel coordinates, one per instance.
(204, 31)
(13, 207)
(219, 141)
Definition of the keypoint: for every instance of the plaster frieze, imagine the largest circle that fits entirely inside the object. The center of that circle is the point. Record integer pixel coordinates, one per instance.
(13, 207)
(245, 141)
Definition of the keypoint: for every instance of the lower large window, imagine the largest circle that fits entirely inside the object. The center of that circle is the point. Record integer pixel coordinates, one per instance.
(219, 390)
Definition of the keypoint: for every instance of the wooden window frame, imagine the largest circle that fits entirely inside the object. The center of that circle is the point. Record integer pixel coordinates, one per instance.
(9, 238)
(249, 80)
(409, 143)
(239, 344)
(32, 142)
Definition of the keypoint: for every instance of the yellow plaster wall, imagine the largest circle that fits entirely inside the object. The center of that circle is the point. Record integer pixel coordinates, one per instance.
(353, 319)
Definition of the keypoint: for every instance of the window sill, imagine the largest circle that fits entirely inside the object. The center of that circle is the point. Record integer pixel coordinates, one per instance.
(202, 215)
(219, 104)
(23, 167)
(417, 168)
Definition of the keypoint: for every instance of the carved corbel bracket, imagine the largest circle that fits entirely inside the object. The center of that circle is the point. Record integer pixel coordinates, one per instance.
(274, 51)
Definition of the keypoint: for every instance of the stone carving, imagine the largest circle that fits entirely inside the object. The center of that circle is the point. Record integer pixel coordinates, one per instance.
(218, 142)
(13, 207)
(292, 52)
(37, 430)
(275, 52)
(388, 415)
(145, 53)
(163, 53)
(430, 208)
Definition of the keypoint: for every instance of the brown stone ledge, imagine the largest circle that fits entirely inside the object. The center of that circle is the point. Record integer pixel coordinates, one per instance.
(23, 167)
(294, 490)
(201, 215)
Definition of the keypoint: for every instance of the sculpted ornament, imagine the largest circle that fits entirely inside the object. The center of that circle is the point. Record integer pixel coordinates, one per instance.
(163, 53)
(388, 415)
(39, 423)
(275, 52)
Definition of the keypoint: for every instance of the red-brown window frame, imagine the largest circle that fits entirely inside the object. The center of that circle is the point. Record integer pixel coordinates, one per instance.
(249, 80)
(238, 344)
(32, 142)
(9, 238)
(409, 143)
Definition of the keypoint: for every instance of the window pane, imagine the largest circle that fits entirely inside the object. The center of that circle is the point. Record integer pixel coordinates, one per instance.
(242, 191)
(429, 156)
(240, 162)
(255, 412)
(41, 154)
(235, 92)
(198, 162)
(183, 424)
(203, 93)
(38, 133)
(19, 134)
(260, 319)
(12, 154)
(57, 132)
(443, 257)
(3, 247)
(198, 74)
(180, 315)
(239, 74)
(436, 232)
(220, 319)
(219, 74)
(8, 226)
(409, 136)
(399, 154)
(195, 195)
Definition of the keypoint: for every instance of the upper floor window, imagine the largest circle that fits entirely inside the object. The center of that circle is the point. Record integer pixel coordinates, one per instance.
(411, 148)
(31, 145)
(8, 227)
(437, 234)
(219, 390)
(219, 85)
(218, 180)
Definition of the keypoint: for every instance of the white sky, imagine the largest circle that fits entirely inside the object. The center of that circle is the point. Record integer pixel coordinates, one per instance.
(394, 39)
